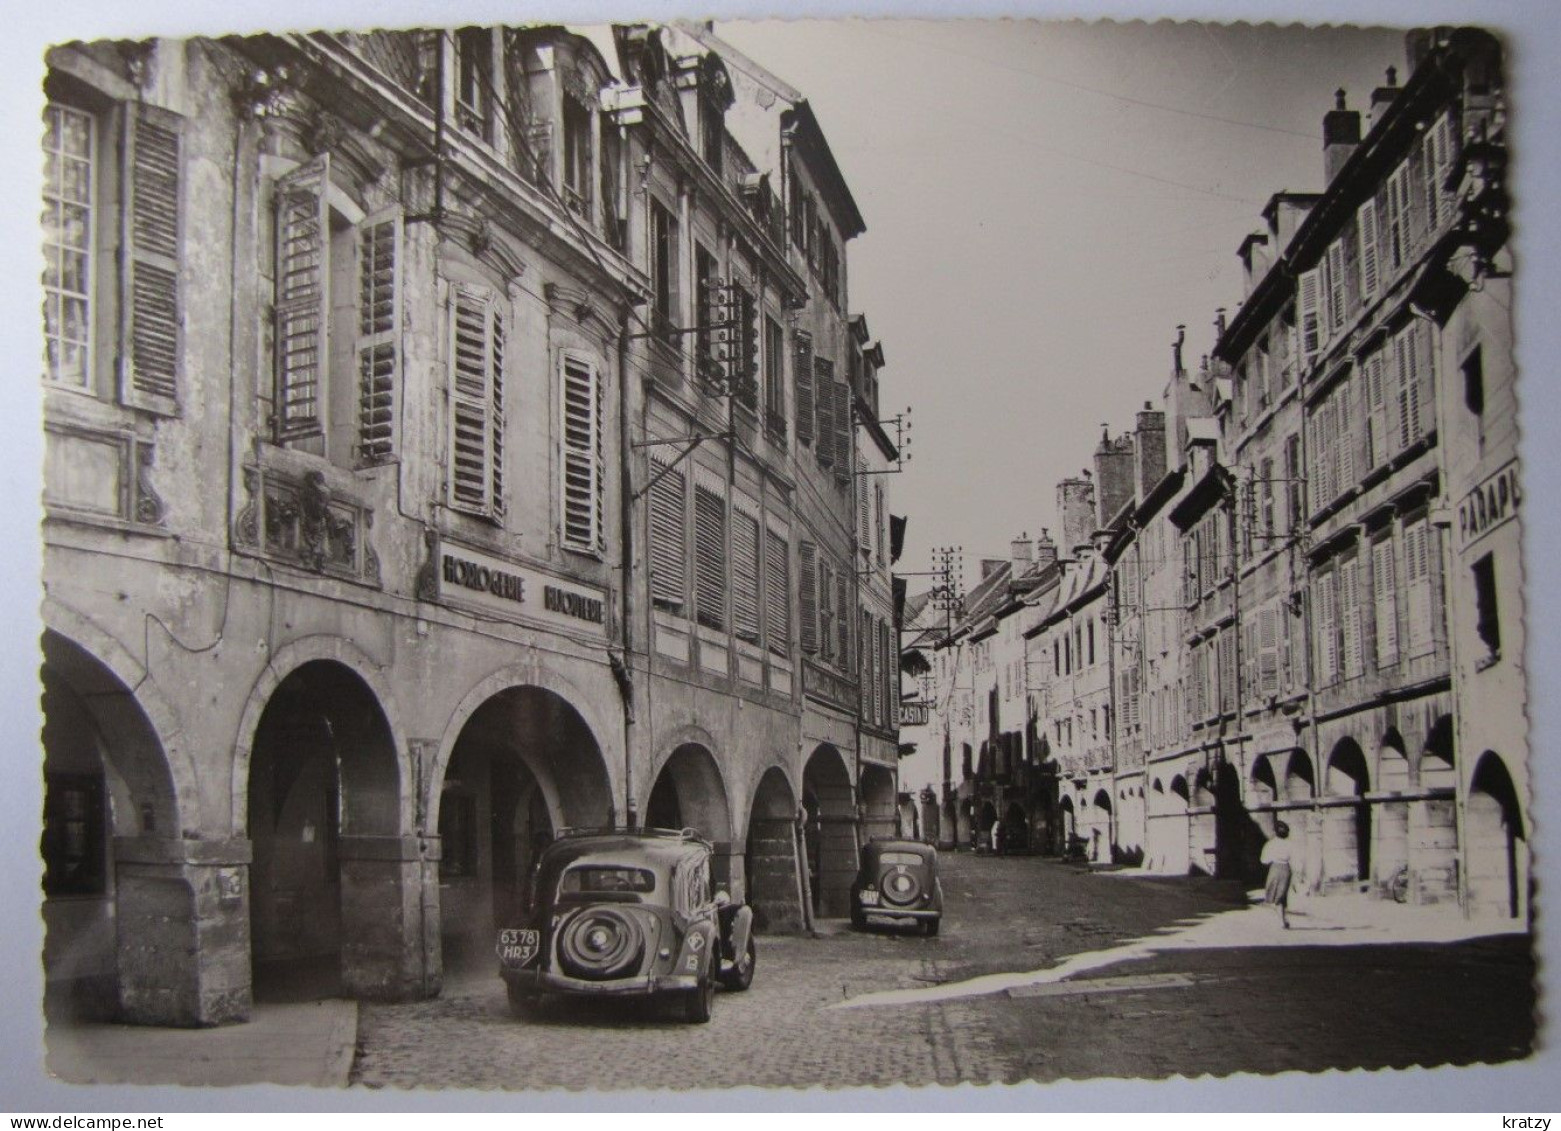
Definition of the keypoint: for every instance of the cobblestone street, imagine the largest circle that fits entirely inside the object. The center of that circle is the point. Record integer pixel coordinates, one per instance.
(1216, 1007)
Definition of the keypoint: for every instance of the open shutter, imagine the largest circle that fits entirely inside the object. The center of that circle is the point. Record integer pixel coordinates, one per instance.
(709, 558)
(583, 472)
(1336, 288)
(151, 346)
(1348, 433)
(864, 511)
(1349, 611)
(1310, 313)
(807, 583)
(1405, 388)
(379, 334)
(745, 575)
(668, 527)
(824, 401)
(777, 588)
(842, 395)
(471, 400)
(1385, 594)
(1366, 223)
(802, 381)
(302, 298)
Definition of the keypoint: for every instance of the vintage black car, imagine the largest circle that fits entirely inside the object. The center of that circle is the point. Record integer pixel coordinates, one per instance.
(621, 912)
(898, 879)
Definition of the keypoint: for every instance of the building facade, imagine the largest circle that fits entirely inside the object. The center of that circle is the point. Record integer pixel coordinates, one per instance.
(427, 472)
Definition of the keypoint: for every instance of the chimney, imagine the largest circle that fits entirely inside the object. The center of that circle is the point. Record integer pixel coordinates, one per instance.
(1076, 505)
(1149, 450)
(1021, 552)
(1045, 550)
(1255, 260)
(1114, 476)
(1341, 134)
(1383, 96)
(989, 566)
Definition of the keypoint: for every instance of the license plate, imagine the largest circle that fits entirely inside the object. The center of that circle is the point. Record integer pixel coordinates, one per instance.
(518, 946)
(869, 899)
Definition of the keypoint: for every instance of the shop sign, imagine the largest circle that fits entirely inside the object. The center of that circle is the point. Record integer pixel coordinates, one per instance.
(470, 578)
(913, 714)
(1489, 505)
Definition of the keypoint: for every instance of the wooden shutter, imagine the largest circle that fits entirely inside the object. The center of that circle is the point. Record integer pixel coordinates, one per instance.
(843, 604)
(1349, 615)
(1268, 650)
(1422, 390)
(1375, 412)
(152, 316)
(1417, 585)
(1327, 629)
(777, 587)
(1336, 287)
(807, 583)
(668, 534)
(824, 401)
(379, 334)
(1366, 224)
(302, 298)
(842, 395)
(746, 598)
(826, 610)
(802, 383)
(1309, 305)
(476, 355)
(709, 558)
(1404, 387)
(1347, 434)
(880, 527)
(1441, 141)
(1398, 216)
(1385, 598)
(584, 473)
(864, 511)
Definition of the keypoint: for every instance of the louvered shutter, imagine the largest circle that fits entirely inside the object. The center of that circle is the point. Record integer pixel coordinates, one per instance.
(584, 473)
(746, 598)
(864, 511)
(824, 402)
(668, 534)
(1399, 216)
(1336, 288)
(1309, 307)
(1327, 630)
(1347, 434)
(1366, 224)
(1417, 585)
(709, 558)
(807, 583)
(842, 395)
(1441, 142)
(802, 383)
(777, 588)
(1385, 595)
(1268, 651)
(302, 299)
(842, 603)
(1375, 412)
(1349, 615)
(826, 610)
(880, 527)
(152, 316)
(1422, 405)
(476, 396)
(1404, 373)
(379, 334)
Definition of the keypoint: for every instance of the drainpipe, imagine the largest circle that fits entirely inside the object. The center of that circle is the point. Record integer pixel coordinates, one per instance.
(623, 668)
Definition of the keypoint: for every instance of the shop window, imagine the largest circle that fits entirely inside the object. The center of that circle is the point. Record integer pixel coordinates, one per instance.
(75, 835)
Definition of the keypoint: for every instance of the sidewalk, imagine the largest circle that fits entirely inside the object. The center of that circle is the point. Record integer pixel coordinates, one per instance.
(307, 1044)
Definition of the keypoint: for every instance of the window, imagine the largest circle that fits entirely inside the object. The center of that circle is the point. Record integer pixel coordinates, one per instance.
(75, 835)
(1487, 623)
(709, 315)
(111, 282)
(1337, 306)
(824, 402)
(583, 463)
(1265, 505)
(1295, 488)
(826, 610)
(1384, 602)
(746, 598)
(663, 266)
(842, 420)
(1398, 209)
(473, 80)
(476, 321)
(69, 225)
(807, 582)
(774, 381)
(842, 598)
(1437, 152)
(338, 322)
(668, 534)
(614, 230)
(1474, 382)
(777, 576)
(802, 386)
(864, 511)
(1376, 409)
(577, 155)
(880, 527)
(709, 558)
(1310, 298)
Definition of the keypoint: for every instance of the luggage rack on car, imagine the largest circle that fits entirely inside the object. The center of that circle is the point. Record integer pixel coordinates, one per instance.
(628, 830)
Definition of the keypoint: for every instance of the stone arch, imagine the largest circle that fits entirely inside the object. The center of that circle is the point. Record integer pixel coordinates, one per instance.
(879, 801)
(688, 791)
(770, 860)
(283, 663)
(830, 830)
(1392, 763)
(1069, 821)
(1497, 854)
(1263, 788)
(1435, 769)
(1179, 789)
(1346, 828)
(1391, 821)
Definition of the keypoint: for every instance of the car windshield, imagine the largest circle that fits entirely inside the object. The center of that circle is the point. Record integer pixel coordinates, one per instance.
(899, 858)
(596, 879)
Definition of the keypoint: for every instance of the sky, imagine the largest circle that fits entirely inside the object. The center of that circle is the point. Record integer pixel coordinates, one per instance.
(1045, 203)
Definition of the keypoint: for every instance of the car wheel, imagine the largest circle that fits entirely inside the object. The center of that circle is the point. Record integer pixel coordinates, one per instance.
(525, 1004)
(931, 928)
(740, 976)
(699, 1002)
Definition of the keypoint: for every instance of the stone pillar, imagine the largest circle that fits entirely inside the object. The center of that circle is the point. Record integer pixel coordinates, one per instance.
(181, 921)
(772, 875)
(1433, 850)
(836, 864)
(1392, 835)
(1340, 847)
(390, 917)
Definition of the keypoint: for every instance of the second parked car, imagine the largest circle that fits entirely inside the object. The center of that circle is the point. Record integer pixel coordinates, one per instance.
(898, 879)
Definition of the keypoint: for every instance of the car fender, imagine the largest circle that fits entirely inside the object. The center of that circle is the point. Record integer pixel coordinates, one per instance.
(700, 942)
(738, 932)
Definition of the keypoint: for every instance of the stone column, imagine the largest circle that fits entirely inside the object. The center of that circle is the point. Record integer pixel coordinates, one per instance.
(836, 864)
(390, 917)
(181, 922)
(772, 878)
(1433, 850)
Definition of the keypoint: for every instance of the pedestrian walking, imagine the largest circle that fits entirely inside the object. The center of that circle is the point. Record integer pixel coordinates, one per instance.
(1276, 854)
